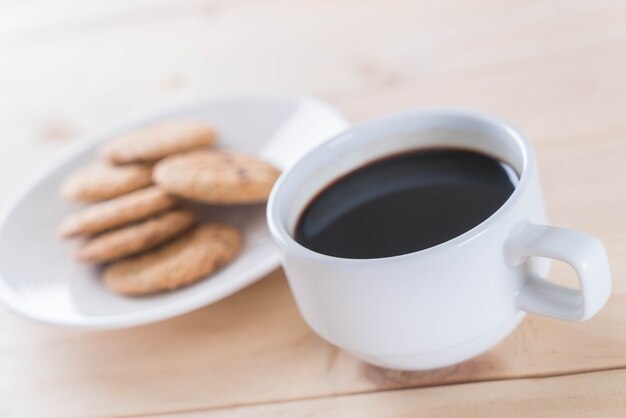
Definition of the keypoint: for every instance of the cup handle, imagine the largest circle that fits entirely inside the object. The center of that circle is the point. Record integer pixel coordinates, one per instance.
(584, 252)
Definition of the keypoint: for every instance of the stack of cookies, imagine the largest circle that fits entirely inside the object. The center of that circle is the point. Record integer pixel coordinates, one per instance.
(134, 221)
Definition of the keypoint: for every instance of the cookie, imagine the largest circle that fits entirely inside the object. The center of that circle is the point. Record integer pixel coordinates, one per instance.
(99, 181)
(115, 212)
(136, 237)
(189, 258)
(154, 142)
(216, 177)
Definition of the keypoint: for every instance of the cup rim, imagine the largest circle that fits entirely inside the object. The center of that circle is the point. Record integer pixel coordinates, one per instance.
(277, 200)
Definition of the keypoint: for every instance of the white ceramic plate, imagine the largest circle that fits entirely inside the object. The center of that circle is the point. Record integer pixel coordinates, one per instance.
(38, 275)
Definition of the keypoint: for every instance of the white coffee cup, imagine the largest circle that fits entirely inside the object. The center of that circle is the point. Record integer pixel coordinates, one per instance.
(450, 302)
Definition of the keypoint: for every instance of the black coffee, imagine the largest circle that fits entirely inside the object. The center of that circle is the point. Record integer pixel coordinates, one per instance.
(405, 203)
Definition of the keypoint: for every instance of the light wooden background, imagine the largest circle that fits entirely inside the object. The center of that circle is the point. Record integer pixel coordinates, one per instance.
(557, 69)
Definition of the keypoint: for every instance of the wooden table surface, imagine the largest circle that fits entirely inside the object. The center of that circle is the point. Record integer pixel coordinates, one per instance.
(556, 69)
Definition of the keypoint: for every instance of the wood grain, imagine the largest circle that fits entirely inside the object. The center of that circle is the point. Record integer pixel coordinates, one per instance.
(555, 69)
(577, 396)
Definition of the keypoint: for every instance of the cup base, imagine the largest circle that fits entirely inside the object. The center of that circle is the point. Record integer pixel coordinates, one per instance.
(445, 357)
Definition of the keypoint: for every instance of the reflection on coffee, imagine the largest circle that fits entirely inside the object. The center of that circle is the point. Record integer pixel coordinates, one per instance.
(405, 203)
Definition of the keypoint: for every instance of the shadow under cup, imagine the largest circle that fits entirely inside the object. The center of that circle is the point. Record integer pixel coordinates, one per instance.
(421, 310)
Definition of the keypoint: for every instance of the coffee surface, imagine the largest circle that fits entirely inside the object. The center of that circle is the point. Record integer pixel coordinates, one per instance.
(405, 203)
